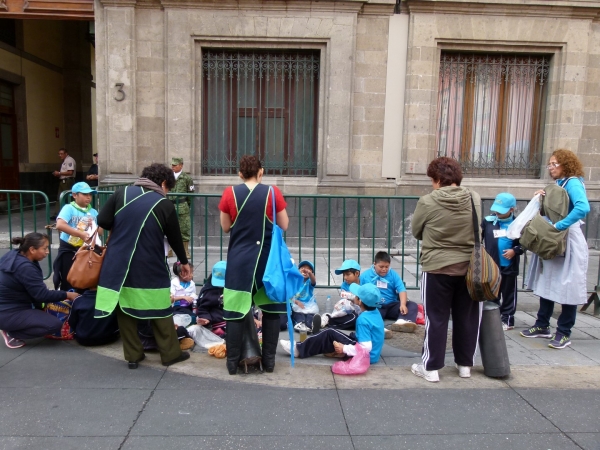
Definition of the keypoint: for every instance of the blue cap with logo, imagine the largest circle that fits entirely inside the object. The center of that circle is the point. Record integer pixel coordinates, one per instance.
(307, 263)
(369, 294)
(82, 188)
(504, 201)
(347, 265)
(218, 274)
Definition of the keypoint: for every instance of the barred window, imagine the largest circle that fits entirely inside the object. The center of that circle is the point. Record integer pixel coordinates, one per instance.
(260, 103)
(490, 113)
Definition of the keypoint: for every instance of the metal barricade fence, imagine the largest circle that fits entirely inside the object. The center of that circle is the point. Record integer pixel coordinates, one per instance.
(324, 228)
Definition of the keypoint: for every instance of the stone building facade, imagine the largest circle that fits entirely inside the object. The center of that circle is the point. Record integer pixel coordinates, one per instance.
(375, 116)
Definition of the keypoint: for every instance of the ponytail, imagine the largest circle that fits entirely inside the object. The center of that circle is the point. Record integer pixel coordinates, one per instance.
(35, 240)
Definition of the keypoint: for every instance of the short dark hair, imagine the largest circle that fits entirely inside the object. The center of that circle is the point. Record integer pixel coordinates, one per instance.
(249, 166)
(177, 268)
(383, 257)
(369, 308)
(158, 173)
(63, 150)
(445, 170)
(354, 271)
(35, 240)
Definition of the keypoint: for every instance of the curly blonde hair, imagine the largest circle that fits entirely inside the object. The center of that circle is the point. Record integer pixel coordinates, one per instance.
(571, 166)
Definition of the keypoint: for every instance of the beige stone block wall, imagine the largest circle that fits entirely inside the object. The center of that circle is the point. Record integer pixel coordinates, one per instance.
(573, 89)
(369, 97)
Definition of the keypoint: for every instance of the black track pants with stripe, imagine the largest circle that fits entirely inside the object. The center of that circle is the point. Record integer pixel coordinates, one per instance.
(443, 295)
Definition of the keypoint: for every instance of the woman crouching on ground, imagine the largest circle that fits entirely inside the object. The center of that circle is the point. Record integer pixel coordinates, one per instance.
(22, 292)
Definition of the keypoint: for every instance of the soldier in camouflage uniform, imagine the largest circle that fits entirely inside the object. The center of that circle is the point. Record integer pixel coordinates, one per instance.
(183, 184)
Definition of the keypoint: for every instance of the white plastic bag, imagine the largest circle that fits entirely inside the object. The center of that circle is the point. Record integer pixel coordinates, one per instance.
(342, 308)
(533, 207)
(310, 307)
(203, 337)
(182, 320)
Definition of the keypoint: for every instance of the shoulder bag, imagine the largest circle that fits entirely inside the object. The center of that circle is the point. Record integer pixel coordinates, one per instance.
(483, 276)
(87, 262)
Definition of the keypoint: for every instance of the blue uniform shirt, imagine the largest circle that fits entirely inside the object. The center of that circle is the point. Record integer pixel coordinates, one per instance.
(369, 327)
(389, 286)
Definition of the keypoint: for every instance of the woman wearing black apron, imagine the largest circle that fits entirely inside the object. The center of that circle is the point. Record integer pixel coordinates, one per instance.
(246, 212)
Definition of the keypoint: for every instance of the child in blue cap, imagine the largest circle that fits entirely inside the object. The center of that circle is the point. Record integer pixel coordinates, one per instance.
(76, 222)
(505, 252)
(305, 311)
(369, 331)
(344, 312)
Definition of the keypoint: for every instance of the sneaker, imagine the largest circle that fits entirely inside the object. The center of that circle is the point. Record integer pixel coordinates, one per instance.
(559, 341)
(10, 341)
(464, 371)
(388, 333)
(287, 346)
(316, 324)
(429, 375)
(536, 332)
(404, 326)
(324, 320)
(301, 327)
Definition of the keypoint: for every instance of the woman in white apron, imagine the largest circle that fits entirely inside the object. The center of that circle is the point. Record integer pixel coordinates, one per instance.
(562, 279)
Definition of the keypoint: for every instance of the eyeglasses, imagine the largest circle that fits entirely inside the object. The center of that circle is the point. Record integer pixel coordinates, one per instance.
(551, 165)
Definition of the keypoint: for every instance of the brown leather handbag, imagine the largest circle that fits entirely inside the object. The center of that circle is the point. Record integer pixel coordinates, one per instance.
(87, 262)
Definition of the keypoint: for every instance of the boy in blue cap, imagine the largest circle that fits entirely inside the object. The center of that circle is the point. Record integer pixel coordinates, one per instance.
(305, 309)
(369, 331)
(76, 222)
(344, 312)
(505, 252)
(396, 305)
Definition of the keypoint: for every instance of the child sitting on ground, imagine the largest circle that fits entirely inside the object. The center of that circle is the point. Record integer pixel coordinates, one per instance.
(505, 253)
(210, 300)
(90, 331)
(345, 311)
(76, 222)
(305, 311)
(369, 331)
(183, 291)
(396, 305)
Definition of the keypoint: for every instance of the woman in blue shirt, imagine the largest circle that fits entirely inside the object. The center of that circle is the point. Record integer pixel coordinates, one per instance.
(563, 279)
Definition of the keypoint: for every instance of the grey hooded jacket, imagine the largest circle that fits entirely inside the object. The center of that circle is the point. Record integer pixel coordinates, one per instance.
(444, 222)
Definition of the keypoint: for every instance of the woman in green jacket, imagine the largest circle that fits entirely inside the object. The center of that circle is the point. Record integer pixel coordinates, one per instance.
(443, 220)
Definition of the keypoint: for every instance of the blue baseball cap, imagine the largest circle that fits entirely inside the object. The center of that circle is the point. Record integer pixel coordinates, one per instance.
(347, 265)
(218, 274)
(504, 201)
(307, 263)
(369, 294)
(82, 188)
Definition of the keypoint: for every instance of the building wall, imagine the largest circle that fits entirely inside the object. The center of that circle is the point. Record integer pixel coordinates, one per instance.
(155, 48)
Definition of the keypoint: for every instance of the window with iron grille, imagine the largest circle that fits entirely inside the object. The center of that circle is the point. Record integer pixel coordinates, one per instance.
(491, 112)
(260, 103)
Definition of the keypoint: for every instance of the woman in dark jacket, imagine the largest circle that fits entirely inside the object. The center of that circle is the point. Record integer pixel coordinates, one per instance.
(247, 214)
(135, 279)
(22, 292)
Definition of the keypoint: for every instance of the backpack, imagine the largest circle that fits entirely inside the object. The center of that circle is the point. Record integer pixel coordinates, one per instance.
(539, 234)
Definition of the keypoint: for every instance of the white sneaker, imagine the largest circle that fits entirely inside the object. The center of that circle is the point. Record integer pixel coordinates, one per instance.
(464, 371)
(506, 327)
(405, 326)
(324, 320)
(388, 333)
(286, 345)
(429, 375)
(301, 326)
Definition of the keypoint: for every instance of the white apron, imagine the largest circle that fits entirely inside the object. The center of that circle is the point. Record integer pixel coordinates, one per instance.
(564, 278)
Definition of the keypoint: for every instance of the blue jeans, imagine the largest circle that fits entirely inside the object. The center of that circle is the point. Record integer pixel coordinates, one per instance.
(566, 320)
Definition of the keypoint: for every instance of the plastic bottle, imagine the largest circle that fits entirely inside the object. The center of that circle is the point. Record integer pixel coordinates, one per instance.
(328, 304)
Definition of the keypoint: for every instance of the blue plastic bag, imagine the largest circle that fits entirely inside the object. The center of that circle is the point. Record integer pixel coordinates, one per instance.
(281, 279)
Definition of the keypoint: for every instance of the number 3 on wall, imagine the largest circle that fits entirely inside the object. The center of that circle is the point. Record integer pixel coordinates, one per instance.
(120, 92)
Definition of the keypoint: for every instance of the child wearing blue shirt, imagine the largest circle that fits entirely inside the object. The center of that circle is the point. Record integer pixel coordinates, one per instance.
(76, 222)
(369, 331)
(304, 307)
(505, 253)
(396, 305)
(344, 312)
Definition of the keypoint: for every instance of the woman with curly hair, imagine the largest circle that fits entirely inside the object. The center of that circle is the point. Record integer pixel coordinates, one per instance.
(563, 278)
(443, 221)
(135, 279)
(247, 214)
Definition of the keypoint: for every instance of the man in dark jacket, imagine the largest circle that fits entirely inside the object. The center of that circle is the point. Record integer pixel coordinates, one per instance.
(505, 252)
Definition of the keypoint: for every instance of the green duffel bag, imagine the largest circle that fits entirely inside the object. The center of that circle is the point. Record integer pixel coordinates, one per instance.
(540, 237)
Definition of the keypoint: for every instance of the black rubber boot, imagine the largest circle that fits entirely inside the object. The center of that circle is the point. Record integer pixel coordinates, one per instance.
(270, 336)
(251, 355)
(233, 342)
